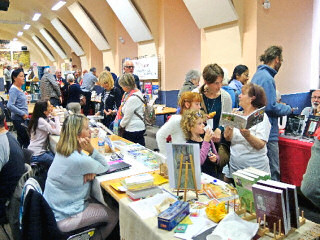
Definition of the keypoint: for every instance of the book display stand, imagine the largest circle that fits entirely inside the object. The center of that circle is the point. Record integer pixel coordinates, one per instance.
(276, 235)
(163, 170)
(185, 164)
(242, 210)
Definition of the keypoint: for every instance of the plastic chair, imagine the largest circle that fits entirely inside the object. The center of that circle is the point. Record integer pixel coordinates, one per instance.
(38, 221)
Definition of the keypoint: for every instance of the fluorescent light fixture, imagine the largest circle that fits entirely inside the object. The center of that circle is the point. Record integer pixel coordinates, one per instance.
(58, 5)
(15, 39)
(131, 20)
(36, 16)
(67, 37)
(43, 48)
(26, 27)
(53, 43)
(19, 34)
(88, 26)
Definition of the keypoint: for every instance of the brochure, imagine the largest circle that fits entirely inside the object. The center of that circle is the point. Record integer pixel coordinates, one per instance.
(238, 121)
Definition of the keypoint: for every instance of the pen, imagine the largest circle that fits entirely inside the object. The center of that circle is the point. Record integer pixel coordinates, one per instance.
(169, 193)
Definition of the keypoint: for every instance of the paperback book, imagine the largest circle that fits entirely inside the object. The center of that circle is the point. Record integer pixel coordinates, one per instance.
(270, 202)
(241, 122)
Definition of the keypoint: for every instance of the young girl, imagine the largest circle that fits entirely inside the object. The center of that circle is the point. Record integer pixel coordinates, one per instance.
(193, 129)
(39, 128)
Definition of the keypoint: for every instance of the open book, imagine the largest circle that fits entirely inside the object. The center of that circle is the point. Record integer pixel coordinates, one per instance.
(238, 121)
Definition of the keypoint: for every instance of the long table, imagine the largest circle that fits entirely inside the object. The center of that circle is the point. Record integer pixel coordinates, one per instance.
(294, 156)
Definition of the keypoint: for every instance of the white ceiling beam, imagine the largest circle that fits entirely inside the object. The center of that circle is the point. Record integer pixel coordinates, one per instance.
(43, 48)
(67, 37)
(53, 43)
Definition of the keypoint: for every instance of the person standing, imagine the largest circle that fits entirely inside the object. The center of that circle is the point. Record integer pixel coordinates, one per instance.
(18, 106)
(89, 79)
(7, 78)
(50, 89)
(63, 87)
(128, 67)
(272, 60)
(191, 82)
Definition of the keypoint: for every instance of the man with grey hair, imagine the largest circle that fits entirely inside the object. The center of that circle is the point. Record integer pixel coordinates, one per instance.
(191, 82)
(50, 89)
(7, 78)
(89, 79)
(128, 67)
(315, 102)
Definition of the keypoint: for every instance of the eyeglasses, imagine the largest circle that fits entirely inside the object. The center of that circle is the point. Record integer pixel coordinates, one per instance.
(131, 67)
(315, 97)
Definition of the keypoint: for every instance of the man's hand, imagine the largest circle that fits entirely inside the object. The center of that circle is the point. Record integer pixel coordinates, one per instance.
(25, 116)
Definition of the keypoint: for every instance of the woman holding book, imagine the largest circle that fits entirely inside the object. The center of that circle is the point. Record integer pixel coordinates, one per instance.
(248, 146)
(188, 100)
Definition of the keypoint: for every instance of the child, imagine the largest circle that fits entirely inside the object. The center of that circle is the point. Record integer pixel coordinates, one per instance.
(193, 128)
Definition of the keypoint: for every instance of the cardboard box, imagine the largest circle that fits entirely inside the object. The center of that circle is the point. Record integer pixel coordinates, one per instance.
(173, 215)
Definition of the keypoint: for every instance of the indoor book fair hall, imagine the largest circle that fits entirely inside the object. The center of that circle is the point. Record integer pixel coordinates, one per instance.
(159, 119)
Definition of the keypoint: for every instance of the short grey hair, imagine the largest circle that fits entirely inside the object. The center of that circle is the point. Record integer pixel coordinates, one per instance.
(127, 80)
(46, 70)
(192, 74)
(70, 77)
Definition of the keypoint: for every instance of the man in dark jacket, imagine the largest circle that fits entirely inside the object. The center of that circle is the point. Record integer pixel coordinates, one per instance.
(272, 59)
(128, 67)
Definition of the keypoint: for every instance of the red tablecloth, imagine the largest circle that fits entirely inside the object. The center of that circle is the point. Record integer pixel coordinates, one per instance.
(294, 156)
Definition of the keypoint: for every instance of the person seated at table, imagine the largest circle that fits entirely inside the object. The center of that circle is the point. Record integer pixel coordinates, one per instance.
(192, 124)
(188, 100)
(315, 105)
(110, 100)
(248, 146)
(40, 126)
(68, 184)
(191, 82)
(130, 113)
(310, 182)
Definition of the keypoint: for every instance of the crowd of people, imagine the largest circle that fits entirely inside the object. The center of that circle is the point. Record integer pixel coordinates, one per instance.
(223, 149)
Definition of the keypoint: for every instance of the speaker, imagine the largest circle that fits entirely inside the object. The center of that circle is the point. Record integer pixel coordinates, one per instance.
(24, 48)
(4, 5)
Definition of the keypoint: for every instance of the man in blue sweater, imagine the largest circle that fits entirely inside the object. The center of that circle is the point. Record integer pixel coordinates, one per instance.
(272, 59)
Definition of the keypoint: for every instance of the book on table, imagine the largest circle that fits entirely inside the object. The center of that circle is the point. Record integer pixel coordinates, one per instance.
(261, 174)
(270, 202)
(241, 122)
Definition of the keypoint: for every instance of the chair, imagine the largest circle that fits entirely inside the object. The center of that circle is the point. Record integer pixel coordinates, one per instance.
(38, 221)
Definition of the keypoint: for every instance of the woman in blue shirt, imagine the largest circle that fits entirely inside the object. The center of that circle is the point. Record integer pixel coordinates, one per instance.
(68, 184)
(239, 78)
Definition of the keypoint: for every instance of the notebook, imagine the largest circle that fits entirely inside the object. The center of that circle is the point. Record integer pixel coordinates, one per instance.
(116, 166)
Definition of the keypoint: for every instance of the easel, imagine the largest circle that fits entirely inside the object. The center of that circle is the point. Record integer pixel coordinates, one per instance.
(186, 164)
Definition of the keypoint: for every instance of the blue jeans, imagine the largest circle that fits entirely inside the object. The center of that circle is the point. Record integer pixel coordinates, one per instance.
(273, 155)
(46, 158)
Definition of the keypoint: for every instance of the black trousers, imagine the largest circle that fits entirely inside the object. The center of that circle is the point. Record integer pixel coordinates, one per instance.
(22, 135)
(136, 137)
(8, 85)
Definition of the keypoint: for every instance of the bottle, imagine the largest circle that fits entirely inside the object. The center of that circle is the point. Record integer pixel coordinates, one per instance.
(101, 148)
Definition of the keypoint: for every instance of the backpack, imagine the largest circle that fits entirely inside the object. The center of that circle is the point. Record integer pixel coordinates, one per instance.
(149, 113)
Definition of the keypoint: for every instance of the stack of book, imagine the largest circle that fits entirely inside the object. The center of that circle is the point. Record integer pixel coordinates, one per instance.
(276, 201)
(244, 179)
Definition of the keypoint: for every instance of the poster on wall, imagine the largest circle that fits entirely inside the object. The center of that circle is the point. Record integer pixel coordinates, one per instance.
(146, 68)
(5, 58)
(21, 57)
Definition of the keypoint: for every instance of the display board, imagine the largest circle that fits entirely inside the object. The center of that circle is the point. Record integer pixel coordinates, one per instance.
(146, 68)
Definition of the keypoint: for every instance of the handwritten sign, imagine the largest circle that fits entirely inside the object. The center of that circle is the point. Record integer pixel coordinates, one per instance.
(146, 68)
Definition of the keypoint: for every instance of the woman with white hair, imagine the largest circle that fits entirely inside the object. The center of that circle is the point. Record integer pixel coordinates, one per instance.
(191, 82)
(74, 90)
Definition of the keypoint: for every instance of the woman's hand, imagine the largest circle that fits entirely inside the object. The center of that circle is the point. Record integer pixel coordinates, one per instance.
(88, 177)
(85, 144)
(109, 112)
(216, 135)
(245, 133)
(212, 157)
(228, 132)
(208, 135)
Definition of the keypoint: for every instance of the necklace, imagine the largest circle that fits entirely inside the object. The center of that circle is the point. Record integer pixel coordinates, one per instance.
(207, 103)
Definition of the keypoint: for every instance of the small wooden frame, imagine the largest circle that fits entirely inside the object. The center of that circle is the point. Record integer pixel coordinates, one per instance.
(242, 210)
(163, 170)
(186, 164)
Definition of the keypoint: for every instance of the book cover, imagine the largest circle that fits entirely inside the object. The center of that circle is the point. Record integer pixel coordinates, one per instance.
(238, 121)
(244, 187)
(312, 124)
(294, 125)
(155, 88)
(270, 202)
(148, 87)
(285, 197)
(293, 202)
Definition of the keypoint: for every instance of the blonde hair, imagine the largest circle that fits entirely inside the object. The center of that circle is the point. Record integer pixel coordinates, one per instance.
(188, 121)
(127, 80)
(105, 77)
(188, 97)
(71, 128)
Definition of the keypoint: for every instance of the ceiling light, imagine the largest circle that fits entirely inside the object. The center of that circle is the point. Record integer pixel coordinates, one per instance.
(36, 16)
(58, 5)
(26, 27)
(19, 34)
(15, 39)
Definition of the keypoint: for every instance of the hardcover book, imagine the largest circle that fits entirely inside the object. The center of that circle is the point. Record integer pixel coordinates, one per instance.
(312, 124)
(293, 202)
(241, 122)
(270, 202)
